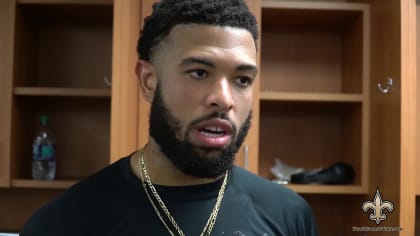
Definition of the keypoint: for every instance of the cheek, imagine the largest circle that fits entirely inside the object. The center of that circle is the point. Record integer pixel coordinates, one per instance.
(181, 98)
(244, 105)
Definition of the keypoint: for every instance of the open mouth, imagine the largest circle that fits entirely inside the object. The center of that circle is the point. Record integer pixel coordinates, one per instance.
(212, 131)
(215, 133)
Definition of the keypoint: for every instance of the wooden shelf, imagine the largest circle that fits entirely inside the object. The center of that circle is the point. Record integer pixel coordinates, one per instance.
(53, 184)
(313, 5)
(62, 92)
(327, 189)
(85, 2)
(312, 97)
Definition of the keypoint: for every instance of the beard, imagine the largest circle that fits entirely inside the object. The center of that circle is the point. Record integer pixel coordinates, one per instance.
(192, 160)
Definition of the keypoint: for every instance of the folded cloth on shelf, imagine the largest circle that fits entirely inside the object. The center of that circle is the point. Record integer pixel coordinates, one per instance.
(338, 173)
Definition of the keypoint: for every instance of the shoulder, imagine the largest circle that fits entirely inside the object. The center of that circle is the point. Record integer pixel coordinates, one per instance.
(110, 177)
(263, 190)
(74, 209)
(281, 204)
(101, 185)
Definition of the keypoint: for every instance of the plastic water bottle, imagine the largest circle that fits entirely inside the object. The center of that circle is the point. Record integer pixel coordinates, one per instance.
(43, 153)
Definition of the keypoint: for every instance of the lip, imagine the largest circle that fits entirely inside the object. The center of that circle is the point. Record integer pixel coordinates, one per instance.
(224, 124)
(213, 142)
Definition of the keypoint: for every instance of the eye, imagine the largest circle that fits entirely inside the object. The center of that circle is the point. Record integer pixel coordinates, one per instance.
(244, 81)
(198, 73)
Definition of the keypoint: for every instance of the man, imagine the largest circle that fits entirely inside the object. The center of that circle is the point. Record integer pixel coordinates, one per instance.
(197, 66)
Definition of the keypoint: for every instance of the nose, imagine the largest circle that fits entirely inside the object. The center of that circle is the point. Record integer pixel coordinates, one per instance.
(220, 96)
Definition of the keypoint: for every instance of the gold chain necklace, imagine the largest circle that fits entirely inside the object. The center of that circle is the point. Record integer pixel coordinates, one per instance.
(146, 180)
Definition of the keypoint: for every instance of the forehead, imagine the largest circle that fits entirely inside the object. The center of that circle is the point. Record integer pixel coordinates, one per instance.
(207, 40)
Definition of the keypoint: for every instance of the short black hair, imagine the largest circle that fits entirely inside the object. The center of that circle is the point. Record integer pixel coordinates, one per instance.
(169, 13)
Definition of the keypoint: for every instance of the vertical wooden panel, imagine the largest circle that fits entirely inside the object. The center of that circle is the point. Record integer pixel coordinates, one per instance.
(7, 16)
(366, 93)
(418, 97)
(394, 114)
(125, 92)
(385, 168)
(408, 117)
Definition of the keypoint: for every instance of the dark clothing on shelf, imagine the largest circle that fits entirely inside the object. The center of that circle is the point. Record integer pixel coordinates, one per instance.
(113, 202)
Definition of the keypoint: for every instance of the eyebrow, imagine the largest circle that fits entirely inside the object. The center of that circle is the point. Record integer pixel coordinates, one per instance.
(196, 60)
(247, 67)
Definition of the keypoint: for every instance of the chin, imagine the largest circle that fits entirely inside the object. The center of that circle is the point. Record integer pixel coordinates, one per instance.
(209, 152)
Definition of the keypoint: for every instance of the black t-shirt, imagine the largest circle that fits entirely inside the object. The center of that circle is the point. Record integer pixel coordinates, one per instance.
(113, 202)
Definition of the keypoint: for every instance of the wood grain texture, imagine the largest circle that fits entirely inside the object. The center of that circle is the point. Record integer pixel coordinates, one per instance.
(321, 190)
(7, 16)
(125, 92)
(315, 97)
(333, 60)
(80, 126)
(86, 2)
(387, 121)
(408, 117)
(85, 45)
(418, 97)
(33, 48)
(61, 92)
(295, 72)
(385, 110)
(315, 100)
(17, 205)
(41, 184)
(310, 135)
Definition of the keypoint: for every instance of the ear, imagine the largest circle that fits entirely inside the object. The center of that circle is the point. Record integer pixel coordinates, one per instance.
(147, 77)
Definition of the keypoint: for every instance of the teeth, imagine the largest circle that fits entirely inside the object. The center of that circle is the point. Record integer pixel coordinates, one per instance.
(214, 129)
(211, 135)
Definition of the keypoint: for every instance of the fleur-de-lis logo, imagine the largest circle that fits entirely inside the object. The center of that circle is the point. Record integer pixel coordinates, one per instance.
(378, 206)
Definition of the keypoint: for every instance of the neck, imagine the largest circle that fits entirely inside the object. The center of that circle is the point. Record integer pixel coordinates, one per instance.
(162, 171)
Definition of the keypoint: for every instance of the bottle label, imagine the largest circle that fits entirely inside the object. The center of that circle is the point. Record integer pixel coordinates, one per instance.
(44, 152)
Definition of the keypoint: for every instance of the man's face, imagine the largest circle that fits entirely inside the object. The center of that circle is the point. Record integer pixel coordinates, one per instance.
(201, 110)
